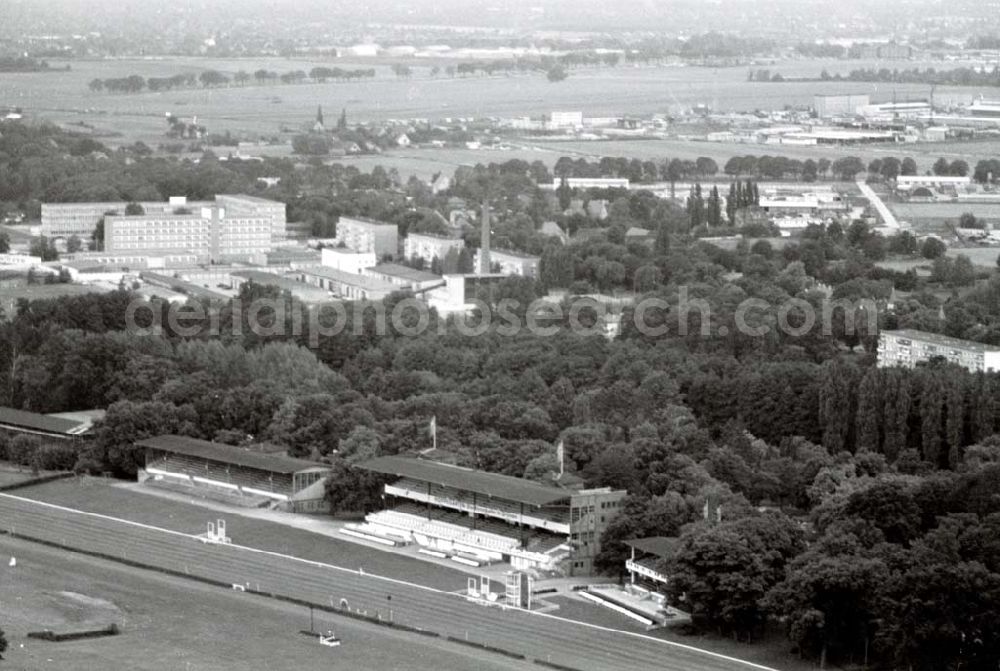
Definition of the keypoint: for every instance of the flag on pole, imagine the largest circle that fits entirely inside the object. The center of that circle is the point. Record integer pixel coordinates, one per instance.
(561, 456)
(434, 430)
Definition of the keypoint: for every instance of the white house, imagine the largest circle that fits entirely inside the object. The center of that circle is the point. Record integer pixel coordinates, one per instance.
(347, 260)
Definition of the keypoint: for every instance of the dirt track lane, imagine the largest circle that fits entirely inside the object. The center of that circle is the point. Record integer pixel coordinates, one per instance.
(568, 643)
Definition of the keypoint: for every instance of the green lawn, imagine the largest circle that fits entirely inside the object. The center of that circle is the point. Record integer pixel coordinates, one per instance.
(170, 623)
(100, 496)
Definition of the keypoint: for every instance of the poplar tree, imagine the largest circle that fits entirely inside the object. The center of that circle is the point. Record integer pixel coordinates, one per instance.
(870, 411)
(931, 411)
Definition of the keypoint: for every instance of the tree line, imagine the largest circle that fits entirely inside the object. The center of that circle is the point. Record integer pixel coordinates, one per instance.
(961, 76)
(214, 78)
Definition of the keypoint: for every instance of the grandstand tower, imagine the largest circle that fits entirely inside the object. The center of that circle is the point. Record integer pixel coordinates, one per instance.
(478, 518)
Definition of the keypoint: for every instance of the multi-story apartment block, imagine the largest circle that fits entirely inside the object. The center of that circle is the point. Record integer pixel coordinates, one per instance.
(212, 233)
(62, 220)
(908, 347)
(368, 235)
(252, 206)
(511, 263)
(430, 247)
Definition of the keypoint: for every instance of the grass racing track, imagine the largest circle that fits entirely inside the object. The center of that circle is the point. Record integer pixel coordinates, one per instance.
(534, 635)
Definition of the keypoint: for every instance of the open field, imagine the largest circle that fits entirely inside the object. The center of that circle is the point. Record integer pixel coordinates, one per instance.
(170, 623)
(63, 96)
(566, 642)
(939, 212)
(985, 257)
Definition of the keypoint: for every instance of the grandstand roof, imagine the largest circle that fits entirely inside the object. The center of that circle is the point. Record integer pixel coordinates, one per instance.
(227, 454)
(661, 546)
(32, 421)
(491, 484)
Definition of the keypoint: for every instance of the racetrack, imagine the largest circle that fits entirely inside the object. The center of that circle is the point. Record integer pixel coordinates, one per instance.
(534, 635)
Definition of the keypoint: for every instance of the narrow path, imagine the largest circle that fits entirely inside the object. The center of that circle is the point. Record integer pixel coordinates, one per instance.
(888, 218)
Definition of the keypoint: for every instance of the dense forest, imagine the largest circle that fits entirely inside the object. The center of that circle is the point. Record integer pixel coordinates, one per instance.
(858, 503)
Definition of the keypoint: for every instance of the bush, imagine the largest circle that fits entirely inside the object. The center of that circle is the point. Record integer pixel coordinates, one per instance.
(31, 451)
(932, 248)
(22, 448)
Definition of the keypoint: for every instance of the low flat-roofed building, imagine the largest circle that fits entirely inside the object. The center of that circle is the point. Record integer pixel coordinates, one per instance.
(828, 106)
(908, 347)
(348, 260)
(349, 286)
(404, 277)
(304, 292)
(565, 119)
(511, 263)
(591, 183)
(183, 286)
(145, 260)
(907, 182)
(989, 109)
(17, 261)
(291, 257)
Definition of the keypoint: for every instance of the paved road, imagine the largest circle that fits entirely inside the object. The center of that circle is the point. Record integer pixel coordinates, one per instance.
(888, 218)
(536, 635)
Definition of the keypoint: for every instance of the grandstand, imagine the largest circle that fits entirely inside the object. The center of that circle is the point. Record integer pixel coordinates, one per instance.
(68, 426)
(479, 518)
(644, 564)
(233, 474)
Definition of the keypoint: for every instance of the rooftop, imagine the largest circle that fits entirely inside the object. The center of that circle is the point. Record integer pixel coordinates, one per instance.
(661, 546)
(350, 279)
(512, 254)
(945, 341)
(433, 236)
(183, 286)
(369, 222)
(404, 272)
(252, 199)
(227, 454)
(493, 485)
(34, 421)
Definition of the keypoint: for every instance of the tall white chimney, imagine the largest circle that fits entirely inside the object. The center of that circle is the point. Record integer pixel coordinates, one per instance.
(485, 266)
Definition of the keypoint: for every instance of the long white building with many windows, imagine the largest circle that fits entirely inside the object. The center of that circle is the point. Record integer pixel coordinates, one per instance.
(212, 233)
(909, 347)
(62, 220)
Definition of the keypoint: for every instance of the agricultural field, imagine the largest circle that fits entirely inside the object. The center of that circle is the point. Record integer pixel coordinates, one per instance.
(984, 257)
(64, 96)
(941, 212)
(171, 623)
